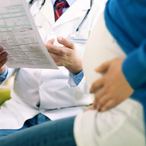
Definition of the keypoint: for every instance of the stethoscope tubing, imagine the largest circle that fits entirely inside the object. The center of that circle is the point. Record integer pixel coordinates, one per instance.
(82, 22)
(32, 1)
(91, 2)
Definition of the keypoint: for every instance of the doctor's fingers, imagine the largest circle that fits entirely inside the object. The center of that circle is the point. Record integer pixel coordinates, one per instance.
(65, 42)
(51, 41)
(57, 59)
(55, 49)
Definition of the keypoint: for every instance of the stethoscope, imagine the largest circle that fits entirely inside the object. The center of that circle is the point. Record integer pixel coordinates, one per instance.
(32, 2)
(79, 26)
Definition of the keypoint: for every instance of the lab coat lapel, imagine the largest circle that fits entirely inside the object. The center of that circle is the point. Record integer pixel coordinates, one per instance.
(48, 11)
(75, 11)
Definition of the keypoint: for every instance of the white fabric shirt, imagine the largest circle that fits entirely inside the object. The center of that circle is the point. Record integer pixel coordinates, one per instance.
(55, 90)
(120, 126)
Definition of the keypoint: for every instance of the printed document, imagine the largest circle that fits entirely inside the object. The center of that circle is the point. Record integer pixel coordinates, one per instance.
(20, 38)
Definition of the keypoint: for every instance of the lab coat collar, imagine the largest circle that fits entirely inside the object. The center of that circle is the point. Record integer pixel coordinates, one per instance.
(48, 11)
(73, 12)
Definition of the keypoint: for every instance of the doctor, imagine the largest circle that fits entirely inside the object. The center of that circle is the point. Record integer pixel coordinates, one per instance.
(40, 95)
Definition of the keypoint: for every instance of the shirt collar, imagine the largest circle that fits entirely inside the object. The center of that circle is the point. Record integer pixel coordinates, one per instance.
(70, 2)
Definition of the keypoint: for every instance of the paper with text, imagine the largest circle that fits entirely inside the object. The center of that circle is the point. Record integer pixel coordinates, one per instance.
(20, 38)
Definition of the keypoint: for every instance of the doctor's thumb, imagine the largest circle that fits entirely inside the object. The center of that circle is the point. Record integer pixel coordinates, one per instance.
(51, 41)
(65, 42)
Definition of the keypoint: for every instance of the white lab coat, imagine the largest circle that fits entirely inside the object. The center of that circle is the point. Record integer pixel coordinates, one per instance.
(58, 95)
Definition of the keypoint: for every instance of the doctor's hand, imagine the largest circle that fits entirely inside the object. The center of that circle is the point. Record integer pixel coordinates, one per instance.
(113, 87)
(65, 55)
(3, 60)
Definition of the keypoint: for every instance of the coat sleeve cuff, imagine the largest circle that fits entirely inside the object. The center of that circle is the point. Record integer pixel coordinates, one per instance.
(77, 77)
(4, 75)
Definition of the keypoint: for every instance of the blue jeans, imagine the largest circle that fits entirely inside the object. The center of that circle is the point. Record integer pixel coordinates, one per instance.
(50, 133)
(38, 119)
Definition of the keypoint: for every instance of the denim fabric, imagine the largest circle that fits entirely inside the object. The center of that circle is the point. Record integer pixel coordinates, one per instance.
(51, 133)
(38, 119)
